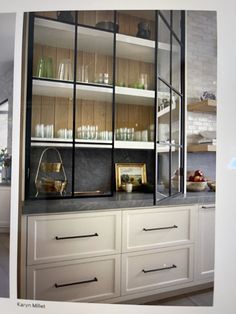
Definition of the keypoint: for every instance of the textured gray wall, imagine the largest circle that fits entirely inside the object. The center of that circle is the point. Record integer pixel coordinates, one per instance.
(201, 68)
(92, 166)
(201, 53)
(201, 76)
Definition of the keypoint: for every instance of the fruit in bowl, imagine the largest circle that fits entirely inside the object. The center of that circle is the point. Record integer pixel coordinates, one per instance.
(196, 182)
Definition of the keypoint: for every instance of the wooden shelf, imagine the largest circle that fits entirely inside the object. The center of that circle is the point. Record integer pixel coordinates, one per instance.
(203, 106)
(194, 148)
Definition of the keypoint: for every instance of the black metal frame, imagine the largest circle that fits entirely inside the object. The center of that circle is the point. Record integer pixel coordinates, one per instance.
(74, 84)
(180, 93)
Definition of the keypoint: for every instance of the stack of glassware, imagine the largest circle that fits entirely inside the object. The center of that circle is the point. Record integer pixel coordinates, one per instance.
(87, 132)
(65, 134)
(44, 131)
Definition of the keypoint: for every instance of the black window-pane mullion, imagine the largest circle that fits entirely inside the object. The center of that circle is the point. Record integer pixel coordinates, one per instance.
(170, 28)
(29, 104)
(74, 105)
(170, 113)
(182, 99)
(113, 107)
(156, 108)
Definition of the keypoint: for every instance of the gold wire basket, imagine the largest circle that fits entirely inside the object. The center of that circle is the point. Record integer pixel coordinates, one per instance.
(48, 184)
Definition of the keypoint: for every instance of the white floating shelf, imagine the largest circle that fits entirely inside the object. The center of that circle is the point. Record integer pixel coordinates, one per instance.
(58, 34)
(94, 40)
(52, 89)
(135, 48)
(61, 89)
(134, 145)
(164, 113)
(126, 95)
(54, 139)
(51, 142)
(62, 35)
(93, 143)
(54, 34)
(98, 93)
(79, 143)
(141, 145)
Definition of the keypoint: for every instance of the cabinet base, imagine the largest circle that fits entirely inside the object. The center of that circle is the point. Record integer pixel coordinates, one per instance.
(156, 295)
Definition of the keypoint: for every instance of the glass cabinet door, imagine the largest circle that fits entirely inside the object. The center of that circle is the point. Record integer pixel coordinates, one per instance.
(170, 100)
(50, 108)
(135, 102)
(104, 88)
(94, 104)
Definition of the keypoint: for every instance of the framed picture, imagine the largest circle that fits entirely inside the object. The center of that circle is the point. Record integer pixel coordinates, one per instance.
(134, 173)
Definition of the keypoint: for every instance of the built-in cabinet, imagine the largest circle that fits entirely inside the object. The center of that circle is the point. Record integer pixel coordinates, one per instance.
(206, 242)
(118, 255)
(94, 93)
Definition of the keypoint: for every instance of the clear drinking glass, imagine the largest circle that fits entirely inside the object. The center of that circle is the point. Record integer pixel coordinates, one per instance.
(65, 70)
(83, 75)
(143, 81)
(41, 68)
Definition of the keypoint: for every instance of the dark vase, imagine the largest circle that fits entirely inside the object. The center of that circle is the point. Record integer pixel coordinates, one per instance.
(65, 16)
(144, 30)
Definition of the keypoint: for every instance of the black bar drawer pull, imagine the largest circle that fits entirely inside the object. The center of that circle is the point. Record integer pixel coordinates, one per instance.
(158, 269)
(161, 228)
(208, 207)
(77, 237)
(75, 283)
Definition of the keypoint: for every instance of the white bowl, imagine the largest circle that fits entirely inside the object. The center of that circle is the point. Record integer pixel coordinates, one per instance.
(196, 186)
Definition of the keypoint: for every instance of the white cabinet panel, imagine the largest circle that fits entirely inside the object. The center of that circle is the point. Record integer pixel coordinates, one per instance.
(65, 237)
(79, 280)
(5, 195)
(152, 228)
(205, 242)
(148, 270)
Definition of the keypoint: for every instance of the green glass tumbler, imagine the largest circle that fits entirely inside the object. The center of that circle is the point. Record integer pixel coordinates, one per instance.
(49, 68)
(41, 68)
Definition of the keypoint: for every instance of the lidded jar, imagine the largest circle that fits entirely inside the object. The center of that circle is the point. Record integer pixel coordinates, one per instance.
(144, 30)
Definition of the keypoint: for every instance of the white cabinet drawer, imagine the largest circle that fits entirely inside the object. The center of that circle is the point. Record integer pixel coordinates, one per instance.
(155, 269)
(152, 228)
(79, 280)
(65, 237)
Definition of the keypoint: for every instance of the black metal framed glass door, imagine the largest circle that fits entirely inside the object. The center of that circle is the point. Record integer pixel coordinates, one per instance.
(170, 67)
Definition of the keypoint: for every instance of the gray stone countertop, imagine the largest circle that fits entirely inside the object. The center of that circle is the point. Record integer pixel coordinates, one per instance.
(120, 200)
(5, 184)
